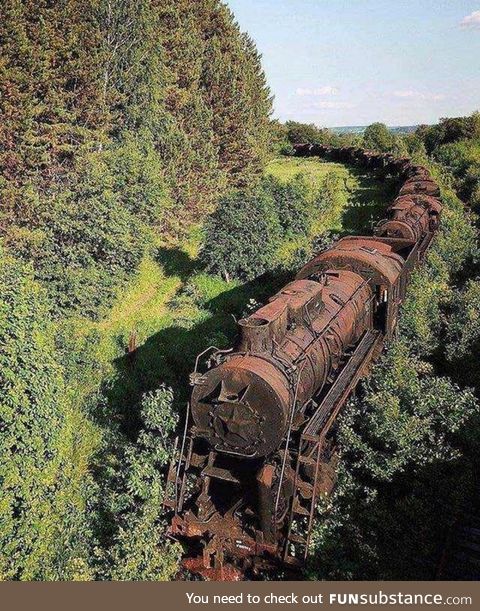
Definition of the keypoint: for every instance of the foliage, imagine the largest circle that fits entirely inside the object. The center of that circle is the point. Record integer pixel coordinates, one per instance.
(378, 137)
(280, 143)
(292, 204)
(404, 418)
(399, 456)
(430, 288)
(97, 138)
(88, 236)
(134, 499)
(455, 144)
(332, 193)
(463, 331)
(46, 445)
(276, 224)
(242, 234)
(450, 130)
(302, 133)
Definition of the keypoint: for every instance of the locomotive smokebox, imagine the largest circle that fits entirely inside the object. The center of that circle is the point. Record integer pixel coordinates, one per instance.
(241, 406)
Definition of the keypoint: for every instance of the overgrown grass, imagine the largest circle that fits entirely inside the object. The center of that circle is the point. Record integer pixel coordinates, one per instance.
(366, 200)
(358, 203)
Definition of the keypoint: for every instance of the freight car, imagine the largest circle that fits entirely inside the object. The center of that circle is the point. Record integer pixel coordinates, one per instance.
(259, 445)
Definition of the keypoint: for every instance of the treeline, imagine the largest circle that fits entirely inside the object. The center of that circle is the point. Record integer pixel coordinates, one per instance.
(121, 123)
(119, 120)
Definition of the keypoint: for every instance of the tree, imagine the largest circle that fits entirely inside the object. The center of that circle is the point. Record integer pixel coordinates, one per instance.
(234, 86)
(378, 137)
(302, 133)
(242, 234)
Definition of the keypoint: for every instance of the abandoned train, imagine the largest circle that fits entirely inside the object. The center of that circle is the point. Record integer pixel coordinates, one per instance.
(259, 445)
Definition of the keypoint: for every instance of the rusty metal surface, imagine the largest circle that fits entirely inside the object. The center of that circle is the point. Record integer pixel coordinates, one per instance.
(262, 444)
(418, 185)
(242, 406)
(373, 259)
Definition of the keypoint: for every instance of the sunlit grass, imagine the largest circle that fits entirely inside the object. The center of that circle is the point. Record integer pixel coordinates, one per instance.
(312, 169)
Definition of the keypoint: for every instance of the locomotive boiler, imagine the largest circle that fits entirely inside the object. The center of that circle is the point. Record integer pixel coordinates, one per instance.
(287, 351)
(259, 444)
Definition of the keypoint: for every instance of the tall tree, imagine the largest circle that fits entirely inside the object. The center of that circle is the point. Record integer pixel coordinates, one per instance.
(235, 89)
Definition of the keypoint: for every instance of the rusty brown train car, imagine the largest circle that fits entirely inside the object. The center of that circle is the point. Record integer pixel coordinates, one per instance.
(259, 445)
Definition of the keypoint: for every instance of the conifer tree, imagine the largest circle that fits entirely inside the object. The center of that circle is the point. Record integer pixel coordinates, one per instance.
(235, 87)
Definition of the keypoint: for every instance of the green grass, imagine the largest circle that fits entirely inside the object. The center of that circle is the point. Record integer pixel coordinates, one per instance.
(367, 196)
(359, 206)
(312, 169)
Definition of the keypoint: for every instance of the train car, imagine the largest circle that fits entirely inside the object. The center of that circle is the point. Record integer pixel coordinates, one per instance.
(259, 444)
(410, 217)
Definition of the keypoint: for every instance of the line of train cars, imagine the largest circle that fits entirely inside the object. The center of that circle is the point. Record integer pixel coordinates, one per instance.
(259, 445)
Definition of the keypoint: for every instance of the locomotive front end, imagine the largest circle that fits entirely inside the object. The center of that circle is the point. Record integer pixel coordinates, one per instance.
(241, 406)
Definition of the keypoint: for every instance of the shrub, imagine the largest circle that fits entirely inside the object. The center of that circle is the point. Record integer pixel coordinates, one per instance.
(46, 444)
(241, 236)
(292, 204)
(463, 330)
(399, 456)
(138, 549)
(378, 137)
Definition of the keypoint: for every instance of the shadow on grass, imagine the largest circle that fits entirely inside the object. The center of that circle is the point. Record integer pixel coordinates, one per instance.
(168, 357)
(176, 262)
(368, 203)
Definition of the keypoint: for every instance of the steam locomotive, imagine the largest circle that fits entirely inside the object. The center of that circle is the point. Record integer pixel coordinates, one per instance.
(259, 445)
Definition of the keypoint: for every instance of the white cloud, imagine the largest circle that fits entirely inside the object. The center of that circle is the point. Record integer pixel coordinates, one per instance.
(329, 105)
(318, 91)
(471, 21)
(412, 93)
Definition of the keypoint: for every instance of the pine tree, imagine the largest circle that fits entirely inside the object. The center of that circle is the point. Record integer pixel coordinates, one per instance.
(235, 88)
(189, 152)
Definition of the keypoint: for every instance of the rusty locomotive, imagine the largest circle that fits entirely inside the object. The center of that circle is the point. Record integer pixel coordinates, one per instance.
(259, 444)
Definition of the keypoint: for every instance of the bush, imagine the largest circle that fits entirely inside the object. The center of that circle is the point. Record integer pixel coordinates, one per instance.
(331, 195)
(137, 549)
(463, 330)
(241, 236)
(46, 444)
(292, 204)
(399, 459)
(404, 419)
(378, 137)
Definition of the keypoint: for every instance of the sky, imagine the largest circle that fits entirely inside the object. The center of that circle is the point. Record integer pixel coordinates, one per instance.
(353, 62)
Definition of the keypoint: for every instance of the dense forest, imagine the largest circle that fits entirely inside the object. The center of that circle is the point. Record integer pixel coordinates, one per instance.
(135, 139)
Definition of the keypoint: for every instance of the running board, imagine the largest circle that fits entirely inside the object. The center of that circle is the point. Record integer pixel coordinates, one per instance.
(355, 369)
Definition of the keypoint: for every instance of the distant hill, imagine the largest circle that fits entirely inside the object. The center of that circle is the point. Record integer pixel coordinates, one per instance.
(359, 129)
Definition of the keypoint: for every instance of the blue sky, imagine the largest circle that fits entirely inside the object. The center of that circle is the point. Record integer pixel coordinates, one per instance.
(352, 62)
